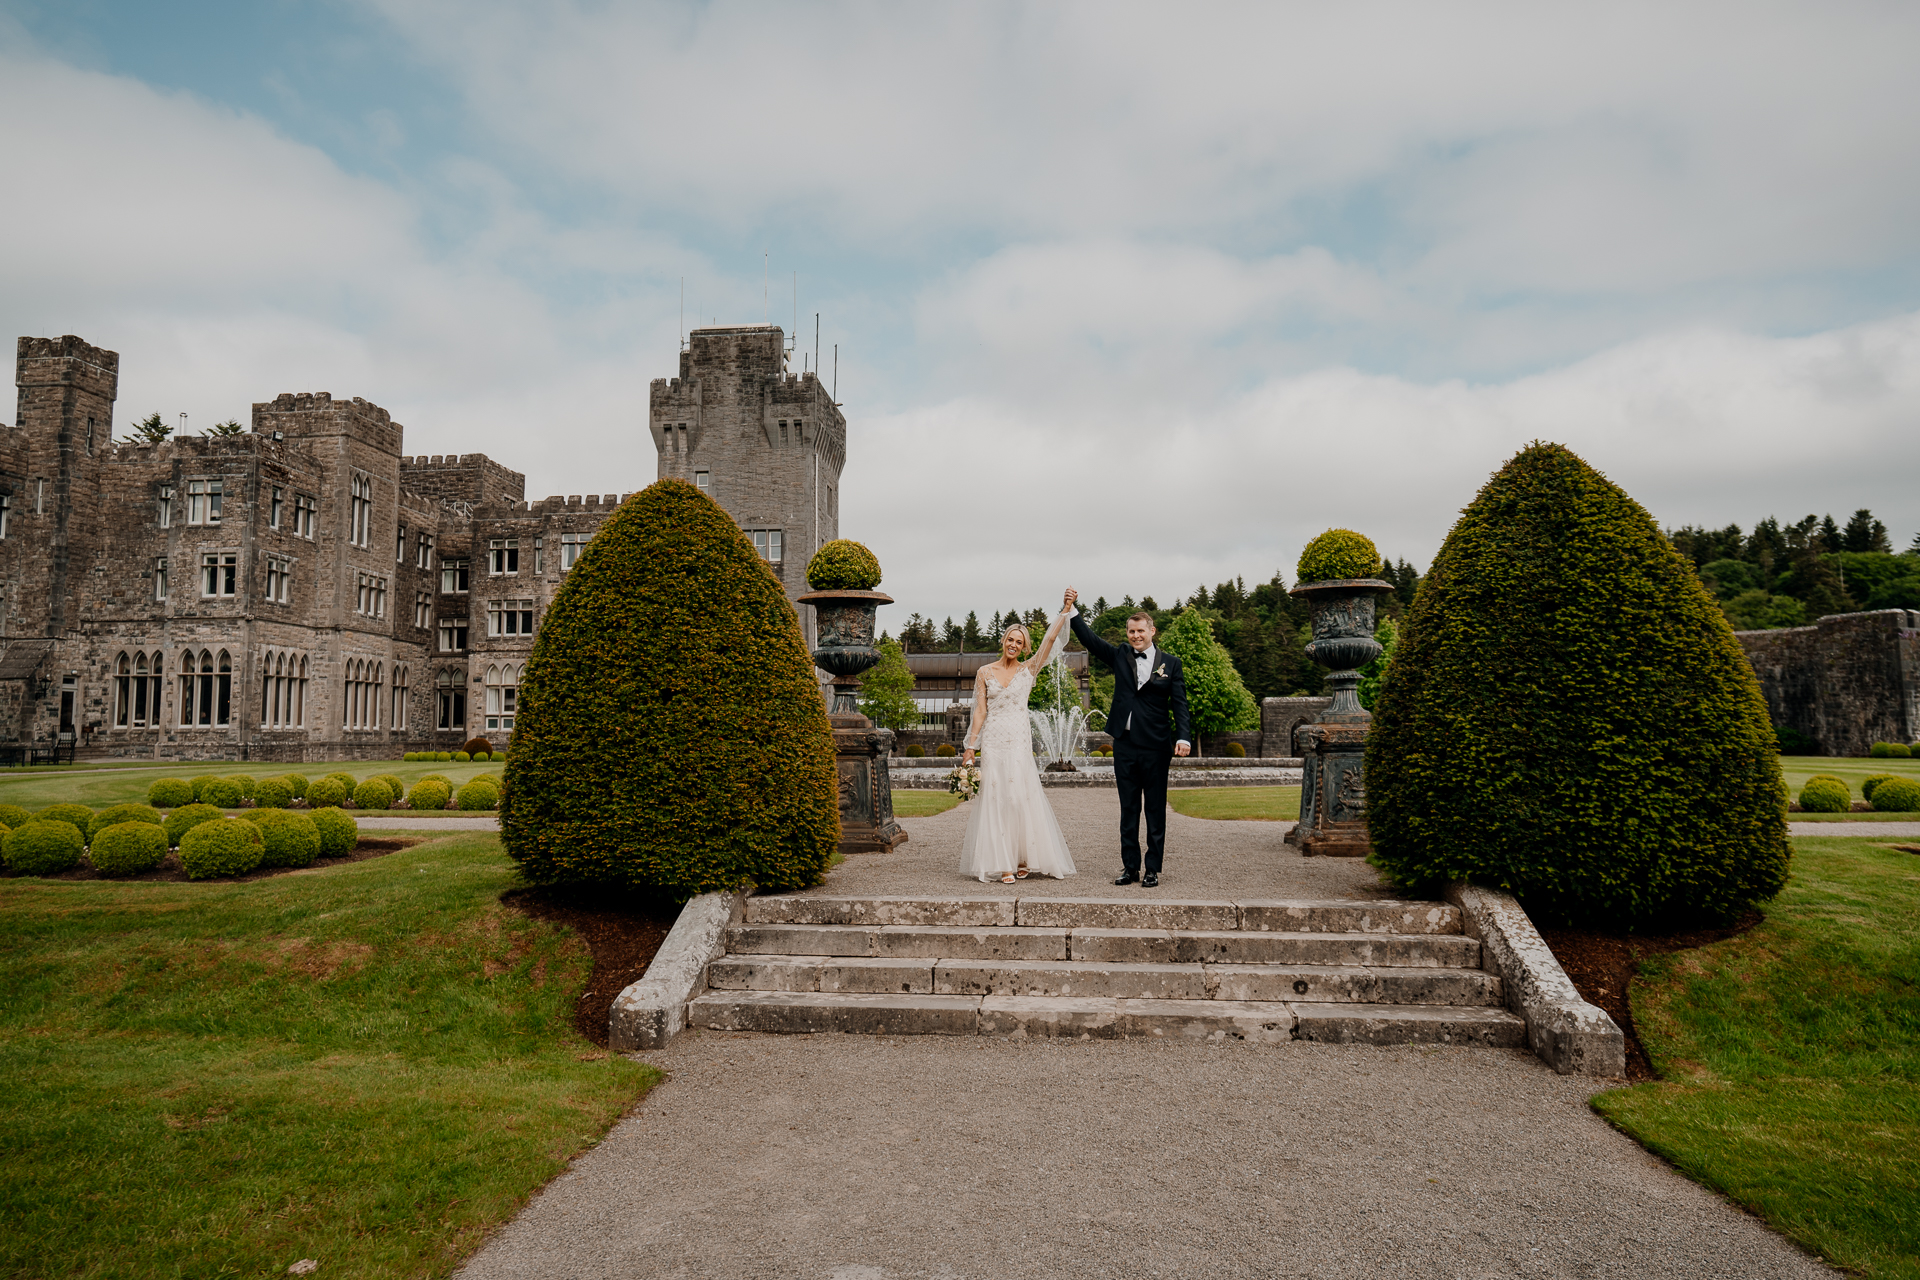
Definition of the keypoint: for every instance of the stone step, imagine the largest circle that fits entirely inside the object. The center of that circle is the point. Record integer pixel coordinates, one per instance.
(1069, 978)
(800, 1013)
(1263, 915)
(1107, 946)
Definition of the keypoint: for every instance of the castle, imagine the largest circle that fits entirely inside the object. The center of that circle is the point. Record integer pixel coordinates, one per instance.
(229, 597)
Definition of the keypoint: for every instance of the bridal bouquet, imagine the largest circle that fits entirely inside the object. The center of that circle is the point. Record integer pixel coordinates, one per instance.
(964, 782)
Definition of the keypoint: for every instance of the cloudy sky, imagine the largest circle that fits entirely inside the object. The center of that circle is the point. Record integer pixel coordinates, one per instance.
(1134, 296)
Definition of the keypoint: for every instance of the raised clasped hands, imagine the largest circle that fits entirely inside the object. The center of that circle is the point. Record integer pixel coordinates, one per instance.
(1072, 597)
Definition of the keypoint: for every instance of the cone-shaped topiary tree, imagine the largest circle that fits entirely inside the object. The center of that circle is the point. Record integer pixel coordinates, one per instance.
(670, 733)
(1569, 717)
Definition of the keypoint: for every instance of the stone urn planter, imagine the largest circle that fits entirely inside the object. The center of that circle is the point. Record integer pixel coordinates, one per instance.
(844, 627)
(843, 634)
(1333, 782)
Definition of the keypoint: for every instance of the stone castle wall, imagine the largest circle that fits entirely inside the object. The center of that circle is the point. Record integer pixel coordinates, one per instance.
(1848, 681)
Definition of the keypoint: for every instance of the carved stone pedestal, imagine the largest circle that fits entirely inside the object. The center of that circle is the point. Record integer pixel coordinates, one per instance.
(867, 824)
(1333, 792)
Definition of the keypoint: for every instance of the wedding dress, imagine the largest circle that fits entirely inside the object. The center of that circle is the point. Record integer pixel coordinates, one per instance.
(1011, 825)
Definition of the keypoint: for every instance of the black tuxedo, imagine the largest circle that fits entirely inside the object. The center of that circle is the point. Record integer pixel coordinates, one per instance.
(1146, 720)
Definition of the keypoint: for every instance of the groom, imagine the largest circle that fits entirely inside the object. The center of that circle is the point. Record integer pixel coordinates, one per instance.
(1147, 683)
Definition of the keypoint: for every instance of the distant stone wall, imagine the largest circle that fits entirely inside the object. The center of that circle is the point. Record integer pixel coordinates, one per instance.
(1279, 717)
(1848, 681)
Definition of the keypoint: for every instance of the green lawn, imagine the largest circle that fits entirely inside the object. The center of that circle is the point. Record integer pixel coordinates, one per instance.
(922, 804)
(1790, 1058)
(1261, 804)
(370, 1065)
(33, 789)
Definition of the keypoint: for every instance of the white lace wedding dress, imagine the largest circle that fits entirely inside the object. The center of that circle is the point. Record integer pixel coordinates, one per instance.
(1011, 824)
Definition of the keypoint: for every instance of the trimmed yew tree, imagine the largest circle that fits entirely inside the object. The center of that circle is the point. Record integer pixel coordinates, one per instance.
(670, 733)
(1569, 717)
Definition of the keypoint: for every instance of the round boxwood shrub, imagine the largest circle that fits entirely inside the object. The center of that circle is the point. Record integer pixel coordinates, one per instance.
(224, 792)
(441, 778)
(296, 783)
(1868, 784)
(393, 782)
(1236, 749)
(481, 757)
(328, 793)
(479, 795)
(843, 565)
(670, 733)
(78, 814)
(118, 813)
(223, 847)
(346, 780)
(1337, 555)
(916, 752)
(272, 793)
(12, 815)
(287, 839)
(442, 757)
(43, 847)
(338, 832)
(200, 782)
(1879, 750)
(247, 783)
(1568, 716)
(373, 794)
(186, 818)
(476, 746)
(1823, 795)
(170, 793)
(461, 757)
(428, 794)
(1838, 782)
(1899, 751)
(1897, 795)
(127, 848)
(944, 749)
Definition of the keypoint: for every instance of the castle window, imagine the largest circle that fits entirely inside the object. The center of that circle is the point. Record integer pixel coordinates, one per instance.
(502, 692)
(503, 555)
(539, 555)
(423, 609)
(453, 636)
(6, 511)
(423, 554)
(89, 437)
(203, 501)
(362, 694)
(219, 573)
(279, 579)
(40, 496)
(571, 545)
(400, 547)
(160, 578)
(283, 700)
(123, 691)
(450, 686)
(683, 437)
(136, 691)
(206, 689)
(276, 505)
(360, 512)
(783, 433)
(398, 718)
(453, 575)
(164, 506)
(305, 510)
(510, 618)
(767, 543)
(704, 479)
(371, 599)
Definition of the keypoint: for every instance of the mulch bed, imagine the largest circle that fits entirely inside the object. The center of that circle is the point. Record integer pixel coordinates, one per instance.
(1602, 966)
(170, 869)
(622, 933)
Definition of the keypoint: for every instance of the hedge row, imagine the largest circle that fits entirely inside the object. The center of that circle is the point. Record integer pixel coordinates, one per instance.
(128, 839)
(456, 757)
(336, 790)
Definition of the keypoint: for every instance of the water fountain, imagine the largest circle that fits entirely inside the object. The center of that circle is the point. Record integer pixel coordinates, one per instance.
(1062, 728)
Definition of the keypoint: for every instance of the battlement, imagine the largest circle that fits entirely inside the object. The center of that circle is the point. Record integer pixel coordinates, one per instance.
(69, 347)
(195, 447)
(574, 504)
(317, 413)
(472, 478)
(321, 402)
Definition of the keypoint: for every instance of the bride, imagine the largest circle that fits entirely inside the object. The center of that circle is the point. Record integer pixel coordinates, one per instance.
(1012, 831)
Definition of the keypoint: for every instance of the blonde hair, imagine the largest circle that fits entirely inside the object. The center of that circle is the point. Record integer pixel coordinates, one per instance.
(1025, 635)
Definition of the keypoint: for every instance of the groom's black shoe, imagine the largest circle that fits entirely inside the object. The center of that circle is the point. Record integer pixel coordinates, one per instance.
(1150, 881)
(1127, 877)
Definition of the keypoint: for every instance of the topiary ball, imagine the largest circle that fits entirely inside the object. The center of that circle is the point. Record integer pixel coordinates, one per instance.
(1828, 777)
(224, 847)
(346, 780)
(476, 746)
(200, 783)
(1823, 796)
(12, 815)
(944, 749)
(373, 794)
(394, 784)
(441, 778)
(328, 793)
(296, 783)
(78, 814)
(843, 565)
(186, 818)
(1897, 795)
(43, 847)
(442, 756)
(247, 782)
(1337, 555)
(477, 795)
(118, 813)
(224, 792)
(1236, 749)
(272, 793)
(480, 756)
(670, 734)
(1899, 751)
(170, 793)
(1868, 784)
(1878, 750)
(429, 794)
(127, 848)
(461, 757)
(288, 839)
(916, 752)
(1568, 716)
(338, 832)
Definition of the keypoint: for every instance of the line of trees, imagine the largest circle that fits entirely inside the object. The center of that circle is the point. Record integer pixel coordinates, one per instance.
(1787, 575)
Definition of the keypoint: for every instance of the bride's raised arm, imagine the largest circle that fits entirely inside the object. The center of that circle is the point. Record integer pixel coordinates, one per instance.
(1045, 651)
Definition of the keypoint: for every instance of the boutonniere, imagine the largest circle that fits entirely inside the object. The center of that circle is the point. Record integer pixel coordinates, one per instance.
(1160, 670)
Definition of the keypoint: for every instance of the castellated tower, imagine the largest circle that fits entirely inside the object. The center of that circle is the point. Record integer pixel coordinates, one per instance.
(764, 443)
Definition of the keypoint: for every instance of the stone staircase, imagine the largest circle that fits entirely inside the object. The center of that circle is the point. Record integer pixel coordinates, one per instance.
(1344, 972)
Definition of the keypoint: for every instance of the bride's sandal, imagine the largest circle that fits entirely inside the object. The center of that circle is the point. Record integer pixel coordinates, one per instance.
(1021, 874)
(1007, 878)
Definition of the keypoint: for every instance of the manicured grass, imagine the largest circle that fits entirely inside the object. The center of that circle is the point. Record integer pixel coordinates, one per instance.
(1261, 804)
(922, 804)
(38, 788)
(1850, 770)
(370, 1065)
(1791, 1059)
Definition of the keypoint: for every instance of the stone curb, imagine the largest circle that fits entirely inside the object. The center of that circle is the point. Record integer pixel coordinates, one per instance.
(1570, 1035)
(653, 1010)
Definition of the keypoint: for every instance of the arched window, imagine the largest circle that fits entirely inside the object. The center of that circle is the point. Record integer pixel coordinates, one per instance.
(398, 720)
(373, 697)
(503, 687)
(300, 694)
(123, 690)
(450, 690)
(223, 689)
(189, 687)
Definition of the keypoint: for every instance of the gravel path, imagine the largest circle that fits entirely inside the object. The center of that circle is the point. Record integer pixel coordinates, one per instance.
(1885, 830)
(853, 1158)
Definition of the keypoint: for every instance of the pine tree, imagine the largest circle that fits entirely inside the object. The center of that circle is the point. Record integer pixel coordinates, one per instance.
(231, 427)
(886, 691)
(971, 638)
(1864, 533)
(151, 429)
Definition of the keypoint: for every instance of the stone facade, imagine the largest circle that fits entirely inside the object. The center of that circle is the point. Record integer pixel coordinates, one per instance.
(1848, 681)
(232, 597)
